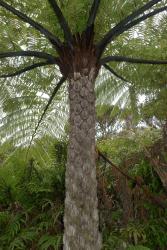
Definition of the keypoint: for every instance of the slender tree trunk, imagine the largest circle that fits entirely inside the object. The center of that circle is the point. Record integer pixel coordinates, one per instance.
(124, 192)
(81, 220)
(134, 107)
(164, 131)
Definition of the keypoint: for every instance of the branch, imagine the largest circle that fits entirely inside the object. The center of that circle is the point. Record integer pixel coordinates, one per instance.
(30, 53)
(62, 21)
(139, 20)
(129, 60)
(109, 35)
(113, 165)
(62, 80)
(115, 73)
(53, 39)
(93, 13)
(28, 68)
(154, 199)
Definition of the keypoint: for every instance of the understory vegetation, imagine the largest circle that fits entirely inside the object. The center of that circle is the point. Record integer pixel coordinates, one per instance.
(32, 193)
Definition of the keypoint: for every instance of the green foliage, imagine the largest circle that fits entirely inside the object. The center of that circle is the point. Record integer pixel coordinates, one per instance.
(47, 241)
(139, 247)
(151, 235)
(156, 231)
(32, 198)
(106, 115)
(146, 227)
(146, 171)
(134, 233)
(125, 144)
(113, 241)
(156, 105)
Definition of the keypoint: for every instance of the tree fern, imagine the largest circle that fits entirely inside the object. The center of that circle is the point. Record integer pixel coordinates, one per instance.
(52, 44)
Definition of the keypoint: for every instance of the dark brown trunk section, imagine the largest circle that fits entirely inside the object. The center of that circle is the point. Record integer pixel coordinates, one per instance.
(124, 192)
(161, 169)
(156, 156)
(81, 220)
(164, 130)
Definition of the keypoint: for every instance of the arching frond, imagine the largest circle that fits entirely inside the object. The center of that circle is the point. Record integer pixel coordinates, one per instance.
(93, 13)
(62, 20)
(53, 39)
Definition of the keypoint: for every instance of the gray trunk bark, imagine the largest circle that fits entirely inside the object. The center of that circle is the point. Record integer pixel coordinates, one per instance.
(81, 220)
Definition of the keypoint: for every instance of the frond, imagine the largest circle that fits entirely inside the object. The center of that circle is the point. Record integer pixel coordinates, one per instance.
(47, 241)
(22, 108)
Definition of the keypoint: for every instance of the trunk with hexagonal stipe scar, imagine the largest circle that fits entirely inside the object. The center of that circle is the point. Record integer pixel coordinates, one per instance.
(81, 219)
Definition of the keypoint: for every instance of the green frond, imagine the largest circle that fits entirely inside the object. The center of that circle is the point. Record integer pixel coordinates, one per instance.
(47, 241)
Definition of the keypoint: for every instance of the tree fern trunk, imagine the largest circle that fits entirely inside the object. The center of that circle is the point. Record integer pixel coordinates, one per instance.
(81, 219)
